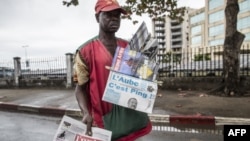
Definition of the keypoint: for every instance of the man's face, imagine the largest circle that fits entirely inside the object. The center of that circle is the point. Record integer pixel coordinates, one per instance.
(110, 21)
(132, 103)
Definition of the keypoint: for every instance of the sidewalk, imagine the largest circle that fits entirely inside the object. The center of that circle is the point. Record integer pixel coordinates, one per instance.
(170, 106)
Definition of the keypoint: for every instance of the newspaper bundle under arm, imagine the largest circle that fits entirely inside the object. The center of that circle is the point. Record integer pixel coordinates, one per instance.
(74, 130)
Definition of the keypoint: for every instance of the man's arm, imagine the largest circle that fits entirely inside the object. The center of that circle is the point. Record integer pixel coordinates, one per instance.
(82, 99)
(81, 77)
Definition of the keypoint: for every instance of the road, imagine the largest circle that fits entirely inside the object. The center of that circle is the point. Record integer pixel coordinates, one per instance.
(31, 127)
(27, 127)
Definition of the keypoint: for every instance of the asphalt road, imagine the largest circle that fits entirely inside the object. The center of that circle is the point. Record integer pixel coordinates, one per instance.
(30, 127)
(27, 127)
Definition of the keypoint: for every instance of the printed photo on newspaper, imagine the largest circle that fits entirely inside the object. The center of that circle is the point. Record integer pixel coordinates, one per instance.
(130, 92)
(133, 63)
(73, 130)
(139, 38)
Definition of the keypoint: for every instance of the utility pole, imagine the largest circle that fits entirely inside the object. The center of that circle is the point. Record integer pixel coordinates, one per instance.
(26, 58)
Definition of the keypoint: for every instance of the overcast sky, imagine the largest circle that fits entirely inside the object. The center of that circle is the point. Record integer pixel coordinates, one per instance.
(47, 28)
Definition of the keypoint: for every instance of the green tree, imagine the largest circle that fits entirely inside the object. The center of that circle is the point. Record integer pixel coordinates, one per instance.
(202, 57)
(156, 9)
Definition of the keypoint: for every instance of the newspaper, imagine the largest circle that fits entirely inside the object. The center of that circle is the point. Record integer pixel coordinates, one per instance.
(151, 49)
(139, 38)
(73, 130)
(133, 63)
(130, 92)
(125, 61)
(131, 81)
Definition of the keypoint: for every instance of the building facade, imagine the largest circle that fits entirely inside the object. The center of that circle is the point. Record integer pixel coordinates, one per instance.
(172, 37)
(202, 31)
(208, 24)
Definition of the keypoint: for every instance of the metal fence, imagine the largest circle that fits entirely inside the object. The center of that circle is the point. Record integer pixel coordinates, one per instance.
(189, 133)
(191, 62)
(44, 68)
(196, 62)
(37, 71)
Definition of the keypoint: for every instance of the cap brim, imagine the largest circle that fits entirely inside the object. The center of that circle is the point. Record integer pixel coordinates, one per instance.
(110, 8)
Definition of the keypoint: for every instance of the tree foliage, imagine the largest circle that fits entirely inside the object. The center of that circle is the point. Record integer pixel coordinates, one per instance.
(169, 57)
(71, 2)
(156, 9)
(202, 57)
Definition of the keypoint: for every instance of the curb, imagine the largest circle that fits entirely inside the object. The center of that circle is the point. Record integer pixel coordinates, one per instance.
(198, 120)
(155, 118)
(39, 109)
(183, 119)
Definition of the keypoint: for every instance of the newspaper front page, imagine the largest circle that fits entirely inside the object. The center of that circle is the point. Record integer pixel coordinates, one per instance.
(130, 92)
(73, 130)
(134, 63)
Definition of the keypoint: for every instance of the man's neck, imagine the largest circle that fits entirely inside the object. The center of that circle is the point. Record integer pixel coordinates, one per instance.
(107, 37)
(109, 41)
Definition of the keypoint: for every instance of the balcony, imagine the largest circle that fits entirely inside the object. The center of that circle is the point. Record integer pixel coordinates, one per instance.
(176, 27)
(177, 40)
(176, 46)
(159, 30)
(159, 24)
(176, 33)
(160, 36)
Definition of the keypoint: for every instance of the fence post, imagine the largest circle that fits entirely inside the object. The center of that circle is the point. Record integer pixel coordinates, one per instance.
(17, 70)
(69, 70)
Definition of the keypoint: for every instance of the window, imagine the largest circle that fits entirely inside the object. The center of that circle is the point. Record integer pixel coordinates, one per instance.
(195, 30)
(197, 18)
(216, 30)
(217, 16)
(216, 42)
(243, 23)
(196, 40)
(215, 3)
(244, 6)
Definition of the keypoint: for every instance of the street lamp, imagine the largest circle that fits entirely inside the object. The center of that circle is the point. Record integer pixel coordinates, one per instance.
(26, 59)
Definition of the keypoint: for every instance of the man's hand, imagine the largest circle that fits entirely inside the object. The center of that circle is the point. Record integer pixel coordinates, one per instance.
(88, 120)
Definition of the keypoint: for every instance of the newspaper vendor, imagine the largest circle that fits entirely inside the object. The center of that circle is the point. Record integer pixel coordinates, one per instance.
(91, 76)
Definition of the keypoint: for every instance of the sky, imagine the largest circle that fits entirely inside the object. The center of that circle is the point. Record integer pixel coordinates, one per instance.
(45, 28)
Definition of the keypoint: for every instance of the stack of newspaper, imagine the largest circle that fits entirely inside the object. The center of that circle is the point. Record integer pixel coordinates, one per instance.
(73, 130)
(133, 73)
(138, 59)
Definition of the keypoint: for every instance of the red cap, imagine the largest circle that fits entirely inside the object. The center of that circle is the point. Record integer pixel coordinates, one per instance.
(108, 5)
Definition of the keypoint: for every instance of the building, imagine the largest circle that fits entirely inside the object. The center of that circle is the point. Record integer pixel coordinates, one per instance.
(172, 36)
(216, 21)
(208, 24)
(202, 31)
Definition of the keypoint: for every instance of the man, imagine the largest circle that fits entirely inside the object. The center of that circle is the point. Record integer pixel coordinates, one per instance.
(91, 76)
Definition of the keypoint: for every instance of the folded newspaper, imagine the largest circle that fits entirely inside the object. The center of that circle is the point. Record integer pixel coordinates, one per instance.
(130, 92)
(73, 130)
